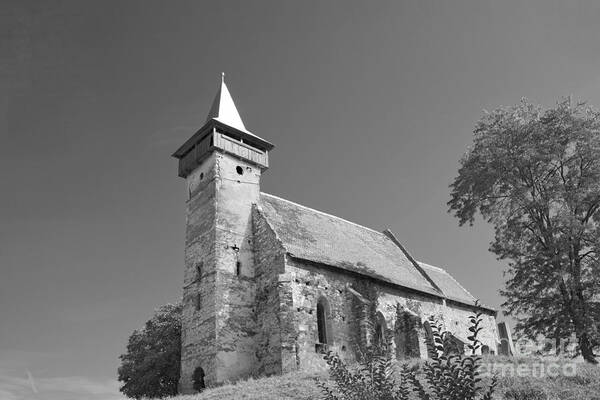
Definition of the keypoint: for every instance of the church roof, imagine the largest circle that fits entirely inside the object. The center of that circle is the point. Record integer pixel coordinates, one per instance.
(322, 238)
(450, 286)
(223, 108)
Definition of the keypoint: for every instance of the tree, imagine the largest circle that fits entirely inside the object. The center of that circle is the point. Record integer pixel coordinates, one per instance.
(150, 367)
(535, 176)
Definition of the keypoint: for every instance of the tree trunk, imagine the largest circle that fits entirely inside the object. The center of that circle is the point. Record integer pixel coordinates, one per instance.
(578, 320)
(586, 348)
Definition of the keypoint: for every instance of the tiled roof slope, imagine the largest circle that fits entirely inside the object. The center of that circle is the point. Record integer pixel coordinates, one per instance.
(326, 239)
(322, 238)
(450, 286)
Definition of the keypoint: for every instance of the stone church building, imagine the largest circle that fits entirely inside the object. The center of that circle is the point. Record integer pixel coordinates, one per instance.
(269, 284)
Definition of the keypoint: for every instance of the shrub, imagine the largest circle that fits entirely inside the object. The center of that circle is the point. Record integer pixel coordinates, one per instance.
(448, 375)
(372, 379)
(452, 375)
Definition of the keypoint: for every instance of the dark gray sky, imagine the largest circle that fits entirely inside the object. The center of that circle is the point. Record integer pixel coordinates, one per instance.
(370, 106)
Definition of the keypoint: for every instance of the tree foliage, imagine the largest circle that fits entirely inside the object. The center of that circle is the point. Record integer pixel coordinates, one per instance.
(535, 176)
(150, 367)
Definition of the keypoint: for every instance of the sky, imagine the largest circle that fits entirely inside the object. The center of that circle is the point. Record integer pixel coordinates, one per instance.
(370, 106)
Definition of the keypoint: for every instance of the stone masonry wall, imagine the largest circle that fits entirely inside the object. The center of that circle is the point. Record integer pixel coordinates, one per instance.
(309, 282)
(269, 264)
(237, 190)
(198, 323)
(219, 322)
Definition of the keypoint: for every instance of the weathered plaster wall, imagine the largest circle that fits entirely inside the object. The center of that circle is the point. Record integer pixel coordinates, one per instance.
(308, 282)
(199, 325)
(220, 336)
(307, 285)
(269, 264)
(237, 188)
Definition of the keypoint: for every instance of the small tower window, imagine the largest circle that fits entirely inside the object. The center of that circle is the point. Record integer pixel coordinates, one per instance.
(198, 301)
(239, 170)
(238, 268)
(199, 271)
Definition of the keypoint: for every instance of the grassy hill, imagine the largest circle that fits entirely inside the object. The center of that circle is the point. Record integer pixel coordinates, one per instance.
(297, 386)
(583, 385)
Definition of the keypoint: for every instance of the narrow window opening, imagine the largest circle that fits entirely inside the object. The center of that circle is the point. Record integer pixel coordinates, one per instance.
(238, 268)
(380, 329)
(199, 271)
(198, 301)
(378, 334)
(321, 345)
(322, 323)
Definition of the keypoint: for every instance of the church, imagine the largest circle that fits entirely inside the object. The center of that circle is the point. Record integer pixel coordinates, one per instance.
(270, 284)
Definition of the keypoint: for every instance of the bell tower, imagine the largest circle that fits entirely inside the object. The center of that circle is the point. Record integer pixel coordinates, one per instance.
(222, 164)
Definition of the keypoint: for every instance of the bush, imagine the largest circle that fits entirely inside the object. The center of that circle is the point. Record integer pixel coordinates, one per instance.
(150, 367)
(448, 375)
(373, 379)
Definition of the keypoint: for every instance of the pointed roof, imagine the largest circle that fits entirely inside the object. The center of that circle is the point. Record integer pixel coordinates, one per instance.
(223, 108)
(223, 115)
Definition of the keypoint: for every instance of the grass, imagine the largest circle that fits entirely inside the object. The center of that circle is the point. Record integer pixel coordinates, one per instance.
(293, 386)
(536, 384)
(574, 380)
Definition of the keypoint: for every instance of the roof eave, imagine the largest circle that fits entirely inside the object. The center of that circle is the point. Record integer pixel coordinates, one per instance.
(473, 305)
(247, 136)
(405, 287)
(370, 276)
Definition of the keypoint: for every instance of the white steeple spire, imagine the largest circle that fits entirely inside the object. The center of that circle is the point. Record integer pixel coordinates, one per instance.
(223, 108)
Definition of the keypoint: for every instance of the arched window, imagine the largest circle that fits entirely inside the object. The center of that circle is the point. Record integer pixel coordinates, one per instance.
(485, 349)
(198, 379)
(380, 329)
(429, 339)
(406, 335)
(323, 324)
(456, 345)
